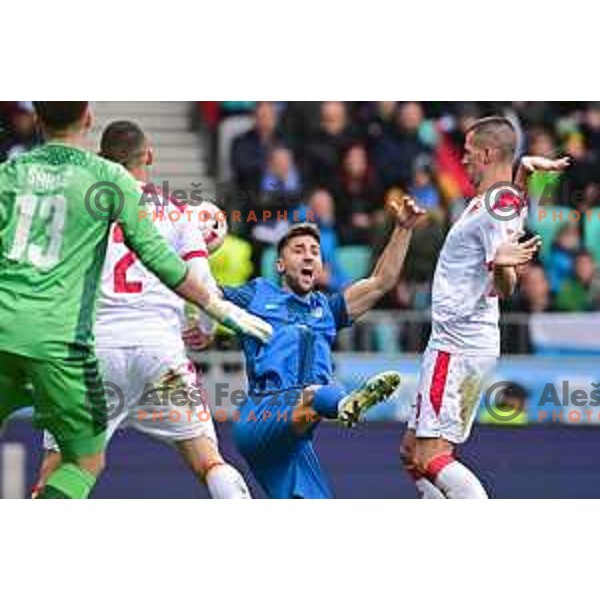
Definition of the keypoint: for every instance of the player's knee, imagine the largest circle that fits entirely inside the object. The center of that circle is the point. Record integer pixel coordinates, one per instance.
(407, 447)
(426, 450)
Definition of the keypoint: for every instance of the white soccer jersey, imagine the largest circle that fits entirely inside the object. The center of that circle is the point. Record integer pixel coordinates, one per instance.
(134, 307)
(465, 310)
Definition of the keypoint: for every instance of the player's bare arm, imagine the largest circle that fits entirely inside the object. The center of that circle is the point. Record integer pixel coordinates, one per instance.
(510, 255)
(366, 293)
(531, 164)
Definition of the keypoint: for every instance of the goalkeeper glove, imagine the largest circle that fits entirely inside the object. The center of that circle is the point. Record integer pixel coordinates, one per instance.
(238, 320)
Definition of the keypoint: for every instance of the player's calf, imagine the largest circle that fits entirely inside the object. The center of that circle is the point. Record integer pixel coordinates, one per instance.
(74, 479)
(223, 481)
(435, 459)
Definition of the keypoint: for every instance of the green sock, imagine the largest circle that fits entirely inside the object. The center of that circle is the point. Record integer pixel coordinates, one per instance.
(68, 481)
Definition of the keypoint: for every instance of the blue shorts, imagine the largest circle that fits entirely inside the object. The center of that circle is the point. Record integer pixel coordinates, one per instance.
(284, 462)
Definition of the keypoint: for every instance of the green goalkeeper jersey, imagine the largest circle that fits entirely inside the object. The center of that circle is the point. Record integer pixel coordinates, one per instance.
(57, 204)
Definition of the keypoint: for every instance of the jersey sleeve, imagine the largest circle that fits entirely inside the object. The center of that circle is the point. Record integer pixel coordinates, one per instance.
(241, 295)
(192, 249)
(142, 236)
(339, 310)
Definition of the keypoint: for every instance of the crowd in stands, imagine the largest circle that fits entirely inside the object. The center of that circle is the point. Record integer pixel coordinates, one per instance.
(342, 159)
(339, 161)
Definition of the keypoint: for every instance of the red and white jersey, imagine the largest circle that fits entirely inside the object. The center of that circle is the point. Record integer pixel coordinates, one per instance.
(465, 309)
(134, 307)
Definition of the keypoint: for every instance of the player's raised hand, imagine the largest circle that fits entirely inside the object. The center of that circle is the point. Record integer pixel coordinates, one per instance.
(405, 210)
(238, 320)
(513, 253)
(531, 164)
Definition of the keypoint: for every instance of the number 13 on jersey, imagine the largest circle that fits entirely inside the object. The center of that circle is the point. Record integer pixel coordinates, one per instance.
(26, 246)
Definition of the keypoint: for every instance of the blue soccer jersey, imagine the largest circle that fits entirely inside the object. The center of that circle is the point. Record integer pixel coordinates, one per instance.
(297, 356)
(304, 329)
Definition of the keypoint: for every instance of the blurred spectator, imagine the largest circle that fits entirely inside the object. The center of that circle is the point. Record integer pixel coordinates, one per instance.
(281, 191)
(542, 143)
(423, 188)
(299, 123)
(281, 175)
(577, 293)
(534, 294)
(20, 134)
(379, 119)
(250, 150)
(324, 151)
(396, 151)
(358, 196)
(591, 130)
(561, 260)
(582, 173)
(321, 203)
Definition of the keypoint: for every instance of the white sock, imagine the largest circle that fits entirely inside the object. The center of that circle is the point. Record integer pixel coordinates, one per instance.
(428, 491)
(454, 479)
(225, 483)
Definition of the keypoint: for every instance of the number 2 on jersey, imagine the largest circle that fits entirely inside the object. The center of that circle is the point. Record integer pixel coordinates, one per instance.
(121, 285)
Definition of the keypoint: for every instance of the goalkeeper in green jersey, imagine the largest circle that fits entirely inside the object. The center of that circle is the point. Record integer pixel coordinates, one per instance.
(57, 204)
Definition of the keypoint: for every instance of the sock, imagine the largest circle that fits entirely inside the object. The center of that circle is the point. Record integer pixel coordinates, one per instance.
(225, 483)
(327, 399)
(68, 481)
(425, 489)
(428, 491)
(453, 479)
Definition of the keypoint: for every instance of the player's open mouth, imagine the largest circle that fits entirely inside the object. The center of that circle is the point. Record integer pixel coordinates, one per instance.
(307, 271)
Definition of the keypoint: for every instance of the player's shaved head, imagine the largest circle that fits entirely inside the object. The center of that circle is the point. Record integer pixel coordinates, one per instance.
(125, 143)
(57, 117)
(496, 133)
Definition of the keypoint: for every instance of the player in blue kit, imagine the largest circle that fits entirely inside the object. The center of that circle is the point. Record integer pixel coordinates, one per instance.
(290, 382)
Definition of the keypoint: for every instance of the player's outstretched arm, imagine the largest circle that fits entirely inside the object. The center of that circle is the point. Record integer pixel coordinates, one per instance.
(366, 293)
(531, 164)
(227, 313)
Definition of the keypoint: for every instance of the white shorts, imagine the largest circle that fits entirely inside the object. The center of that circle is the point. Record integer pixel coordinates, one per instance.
(448, 394)
(155, 391)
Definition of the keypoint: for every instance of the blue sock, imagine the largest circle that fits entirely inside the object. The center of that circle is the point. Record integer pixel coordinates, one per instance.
(326, 400)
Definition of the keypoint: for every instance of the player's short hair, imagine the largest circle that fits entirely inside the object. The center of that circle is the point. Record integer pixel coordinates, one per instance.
(59, 116)
(297, 231)
(123, 142)
(497, 132)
